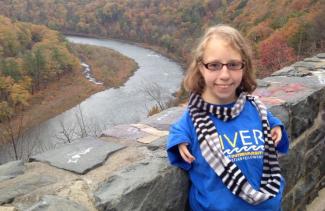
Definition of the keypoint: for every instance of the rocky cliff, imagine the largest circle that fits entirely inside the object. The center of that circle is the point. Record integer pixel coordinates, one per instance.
(127, 169)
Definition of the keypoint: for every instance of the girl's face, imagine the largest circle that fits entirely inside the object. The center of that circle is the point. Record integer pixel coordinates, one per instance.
(220, 84)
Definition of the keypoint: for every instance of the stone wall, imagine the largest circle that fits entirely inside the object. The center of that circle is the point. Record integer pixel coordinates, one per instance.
(127, 168)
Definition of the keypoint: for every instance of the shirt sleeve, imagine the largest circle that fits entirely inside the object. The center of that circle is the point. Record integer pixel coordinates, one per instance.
(179, 133)
(283, 145)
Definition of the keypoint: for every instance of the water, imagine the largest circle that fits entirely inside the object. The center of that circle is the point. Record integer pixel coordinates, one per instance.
(129, 103)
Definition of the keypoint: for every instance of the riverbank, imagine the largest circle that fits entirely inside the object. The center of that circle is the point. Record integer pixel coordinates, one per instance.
(73, 88)
(107, 65)
(161, 50)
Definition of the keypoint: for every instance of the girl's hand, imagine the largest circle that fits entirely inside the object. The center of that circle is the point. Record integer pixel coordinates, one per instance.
(276, 134)
(186, 155)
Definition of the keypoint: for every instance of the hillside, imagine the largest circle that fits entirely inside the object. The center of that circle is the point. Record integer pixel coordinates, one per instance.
(293, 27)
(31, 56)
(40, 75)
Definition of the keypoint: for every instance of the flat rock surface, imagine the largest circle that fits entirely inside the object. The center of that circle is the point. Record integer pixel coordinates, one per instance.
(164, 119)
(11, 169)
(23, 186)
(128, 132)
(80, 156)
(288, 89)
(53, 203)
(149, 185)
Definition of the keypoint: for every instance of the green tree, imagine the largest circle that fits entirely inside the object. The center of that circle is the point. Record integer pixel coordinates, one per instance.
(9, 67)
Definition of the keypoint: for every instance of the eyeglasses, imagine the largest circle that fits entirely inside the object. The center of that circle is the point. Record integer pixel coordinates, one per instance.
(216, 66)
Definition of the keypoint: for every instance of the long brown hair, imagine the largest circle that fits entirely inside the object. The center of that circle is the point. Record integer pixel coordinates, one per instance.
(194, 82)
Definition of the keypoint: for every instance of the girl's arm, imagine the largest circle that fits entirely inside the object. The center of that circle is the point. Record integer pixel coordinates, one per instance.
(179, 140)
(185, 153)
(278, 133)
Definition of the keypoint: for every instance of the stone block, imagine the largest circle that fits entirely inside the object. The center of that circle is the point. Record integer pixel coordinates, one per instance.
(135, 132)
(154, 133)
(303, 189)
(320, 74)
(80, 156)
(284, 71)
(287, 202)
(313, 59)
(297, 70)
(158, 144)
(293, 165)
(290, 91)
(50, 202)
(316, 137)
(127, 132)
(282, 112)
(305, 65)
(299, 193)
(262, 83)
(163, 120)
(11, 170)
(322, 160)
(151, 185)
(304, 112)
(321, 55)
(312, 183)
(314, 156)
(21, 187)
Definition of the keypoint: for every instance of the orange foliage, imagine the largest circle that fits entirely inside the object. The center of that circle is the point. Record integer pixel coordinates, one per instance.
(289, 29)
(173, 25)
(299, 5)
(260, 32)
(275, 53)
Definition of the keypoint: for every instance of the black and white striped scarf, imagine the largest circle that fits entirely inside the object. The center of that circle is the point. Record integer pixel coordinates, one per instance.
(228, 171)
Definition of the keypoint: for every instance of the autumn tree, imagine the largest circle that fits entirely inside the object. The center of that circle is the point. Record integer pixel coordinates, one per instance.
(31, 56)
(275, 53)
(9, 67)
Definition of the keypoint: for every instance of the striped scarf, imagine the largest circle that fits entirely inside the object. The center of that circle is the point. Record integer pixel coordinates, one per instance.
(228, 171)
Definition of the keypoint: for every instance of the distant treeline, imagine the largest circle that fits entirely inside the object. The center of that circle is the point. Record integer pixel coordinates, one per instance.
(31, 56)
(281, 30)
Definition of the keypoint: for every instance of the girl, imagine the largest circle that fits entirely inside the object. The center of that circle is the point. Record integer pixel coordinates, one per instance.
(226, 139)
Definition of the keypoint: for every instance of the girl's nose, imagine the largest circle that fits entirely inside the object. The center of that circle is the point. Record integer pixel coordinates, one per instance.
(224, 72)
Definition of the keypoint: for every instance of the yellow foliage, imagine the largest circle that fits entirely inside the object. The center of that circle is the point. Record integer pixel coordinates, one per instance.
(26, 82)
(19, 95)
(5, 111)
(28, 60)
(6, 83)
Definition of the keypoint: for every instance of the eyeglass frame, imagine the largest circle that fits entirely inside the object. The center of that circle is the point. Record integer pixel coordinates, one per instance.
(223, 64)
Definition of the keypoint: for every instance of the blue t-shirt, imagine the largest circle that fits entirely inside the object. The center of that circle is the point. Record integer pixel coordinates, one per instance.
(242, 142)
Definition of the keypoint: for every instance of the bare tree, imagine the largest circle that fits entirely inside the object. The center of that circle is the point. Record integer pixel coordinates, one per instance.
(156, 93)
(66, 134)
(81, 127)
(21, 145)
(81, 122)
(11, 132)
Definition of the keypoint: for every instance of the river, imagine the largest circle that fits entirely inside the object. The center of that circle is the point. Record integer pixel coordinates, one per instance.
(129, 103)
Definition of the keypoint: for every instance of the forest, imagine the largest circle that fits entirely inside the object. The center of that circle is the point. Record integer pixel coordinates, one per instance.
(295, 28)
(31, 56)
